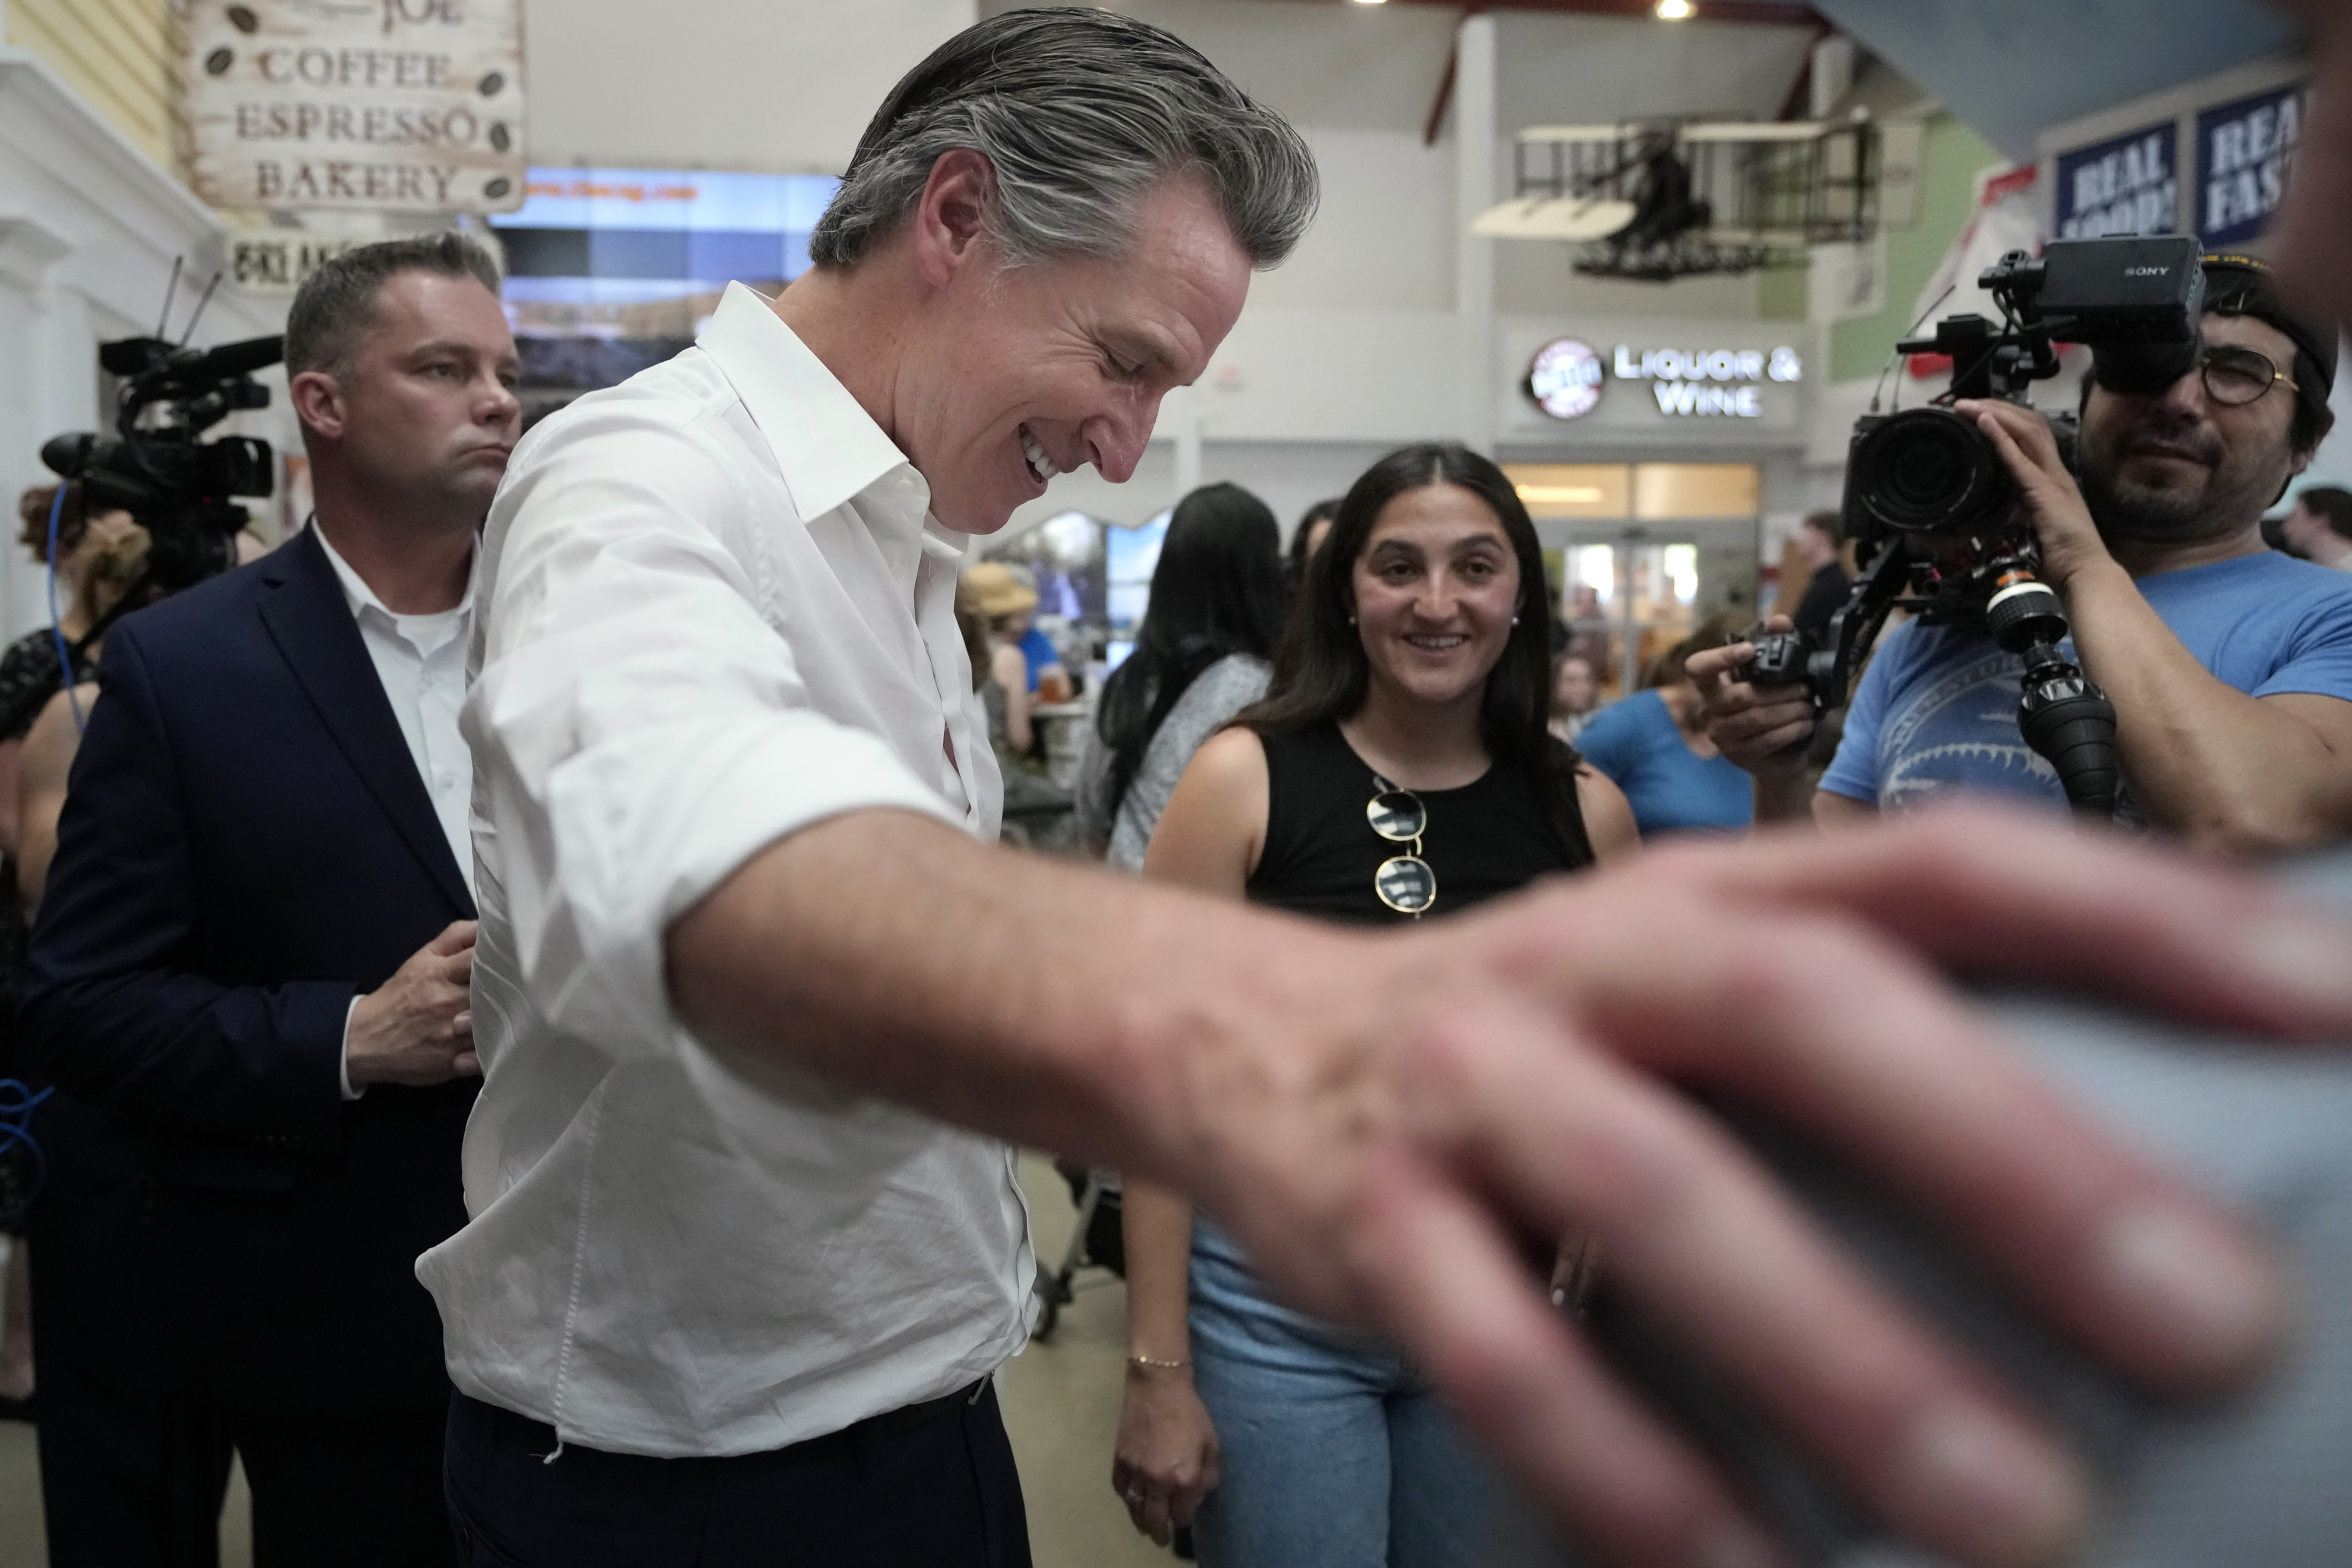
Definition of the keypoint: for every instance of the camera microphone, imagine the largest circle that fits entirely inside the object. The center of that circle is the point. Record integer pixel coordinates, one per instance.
(232, 360)
(67, 455)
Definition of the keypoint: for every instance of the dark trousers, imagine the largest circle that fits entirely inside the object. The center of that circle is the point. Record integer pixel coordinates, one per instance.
(940, 1494)
(130, 1477)
(135, 1441)
(133, 1478)
(354, 1490)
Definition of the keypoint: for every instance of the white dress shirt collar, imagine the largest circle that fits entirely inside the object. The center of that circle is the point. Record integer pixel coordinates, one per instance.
(827, 444)
(361, 598)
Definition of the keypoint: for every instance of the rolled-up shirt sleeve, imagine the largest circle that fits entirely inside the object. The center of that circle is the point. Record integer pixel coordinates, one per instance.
(636, 724)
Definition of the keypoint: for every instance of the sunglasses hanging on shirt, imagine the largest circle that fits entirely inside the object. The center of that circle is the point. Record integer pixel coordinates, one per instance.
(1404, 882)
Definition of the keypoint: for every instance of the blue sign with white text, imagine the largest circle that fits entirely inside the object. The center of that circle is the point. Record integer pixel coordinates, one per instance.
(2245, 152)
(2128, 186)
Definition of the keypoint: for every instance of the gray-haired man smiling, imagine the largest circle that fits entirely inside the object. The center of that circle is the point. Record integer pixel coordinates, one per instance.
(723, 1300)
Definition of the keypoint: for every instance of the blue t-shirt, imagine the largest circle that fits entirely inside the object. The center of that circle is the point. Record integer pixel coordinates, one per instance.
(1670, 788)
(1039, 651)
(1936, 713)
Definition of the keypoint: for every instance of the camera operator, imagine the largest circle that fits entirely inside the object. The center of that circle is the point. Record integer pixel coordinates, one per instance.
(254, 947)
(2230, 666)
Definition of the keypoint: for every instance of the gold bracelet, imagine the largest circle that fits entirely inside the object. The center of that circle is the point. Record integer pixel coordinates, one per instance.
(1154, 1361)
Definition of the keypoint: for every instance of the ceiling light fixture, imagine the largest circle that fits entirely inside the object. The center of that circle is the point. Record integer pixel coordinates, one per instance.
(1372, 2)
(1675, 10)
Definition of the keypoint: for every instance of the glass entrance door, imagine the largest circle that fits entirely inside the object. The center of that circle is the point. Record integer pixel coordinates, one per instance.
(1643, 553)
(1630, 593)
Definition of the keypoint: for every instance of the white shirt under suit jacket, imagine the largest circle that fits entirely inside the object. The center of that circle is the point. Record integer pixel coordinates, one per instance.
(714, 612)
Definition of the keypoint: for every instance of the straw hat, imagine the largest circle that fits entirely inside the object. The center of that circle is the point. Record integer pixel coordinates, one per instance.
(999, 590)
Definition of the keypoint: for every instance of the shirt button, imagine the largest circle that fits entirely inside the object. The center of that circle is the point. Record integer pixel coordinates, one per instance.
(448, 780)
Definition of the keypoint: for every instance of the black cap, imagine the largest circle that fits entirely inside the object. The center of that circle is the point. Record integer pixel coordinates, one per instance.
(2241, 285)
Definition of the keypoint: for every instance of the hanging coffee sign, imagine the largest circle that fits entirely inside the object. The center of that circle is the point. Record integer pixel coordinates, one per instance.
(388, 105)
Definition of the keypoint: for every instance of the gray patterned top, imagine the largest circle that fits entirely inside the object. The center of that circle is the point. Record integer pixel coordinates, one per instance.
(1207, 705)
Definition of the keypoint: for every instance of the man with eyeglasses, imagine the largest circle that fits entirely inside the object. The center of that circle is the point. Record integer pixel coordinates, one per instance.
(2230, 665)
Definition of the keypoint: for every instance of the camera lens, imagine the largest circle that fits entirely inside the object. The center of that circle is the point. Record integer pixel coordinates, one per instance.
(1923, 469)
(1928, 470)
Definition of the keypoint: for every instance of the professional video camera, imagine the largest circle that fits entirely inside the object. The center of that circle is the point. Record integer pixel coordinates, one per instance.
(176, 486)
(1932, 508)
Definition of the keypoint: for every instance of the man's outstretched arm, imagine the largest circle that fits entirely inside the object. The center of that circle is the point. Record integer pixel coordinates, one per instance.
(1382, 1117)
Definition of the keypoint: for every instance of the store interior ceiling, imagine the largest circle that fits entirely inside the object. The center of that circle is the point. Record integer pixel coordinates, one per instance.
(2011, 67)
(2007, 68)
(1342, 66)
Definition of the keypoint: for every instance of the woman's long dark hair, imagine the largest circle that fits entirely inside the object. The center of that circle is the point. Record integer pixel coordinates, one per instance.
(1217, 591)
(1321, 674)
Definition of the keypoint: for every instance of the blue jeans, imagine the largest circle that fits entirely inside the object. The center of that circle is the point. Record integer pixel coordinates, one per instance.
(1336, 1453)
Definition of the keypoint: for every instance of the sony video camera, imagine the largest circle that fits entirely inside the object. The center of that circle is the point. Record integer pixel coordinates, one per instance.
(1932, 508)
(176, 485)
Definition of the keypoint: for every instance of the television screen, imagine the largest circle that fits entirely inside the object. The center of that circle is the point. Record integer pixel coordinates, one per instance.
(610, 270)
(1131, 556)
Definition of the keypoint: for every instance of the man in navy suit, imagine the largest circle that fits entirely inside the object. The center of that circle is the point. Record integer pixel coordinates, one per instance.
(253, 951)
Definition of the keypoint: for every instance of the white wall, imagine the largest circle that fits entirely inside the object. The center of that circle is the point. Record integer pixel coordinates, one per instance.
(89, 227)
(783, 85)
(1384, 239)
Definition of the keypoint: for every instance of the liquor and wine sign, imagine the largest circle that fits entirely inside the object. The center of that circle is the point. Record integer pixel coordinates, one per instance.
(388, 105)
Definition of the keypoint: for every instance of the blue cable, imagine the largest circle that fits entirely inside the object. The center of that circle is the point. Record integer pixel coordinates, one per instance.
(64, 653)
(18, 1103)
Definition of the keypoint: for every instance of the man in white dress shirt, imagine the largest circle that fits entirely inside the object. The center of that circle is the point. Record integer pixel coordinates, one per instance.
(735, 1278)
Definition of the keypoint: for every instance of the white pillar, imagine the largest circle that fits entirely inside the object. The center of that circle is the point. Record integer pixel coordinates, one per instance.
(53, 355)
(1474, 192)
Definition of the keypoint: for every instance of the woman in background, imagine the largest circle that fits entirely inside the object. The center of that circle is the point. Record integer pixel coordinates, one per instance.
(1201, 656)
(29, 672)
(1655, 745)
(1573, 693)
(1399, 765)
(1006, 603)
(1034, 806)
(92, 557)
(1312, 530)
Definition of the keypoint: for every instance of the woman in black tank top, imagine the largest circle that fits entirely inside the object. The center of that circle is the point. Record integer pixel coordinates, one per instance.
(1399, 768)
(1321, 856)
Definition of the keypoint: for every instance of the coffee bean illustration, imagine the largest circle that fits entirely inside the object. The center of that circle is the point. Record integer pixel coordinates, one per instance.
(492, 84)
(219, 61)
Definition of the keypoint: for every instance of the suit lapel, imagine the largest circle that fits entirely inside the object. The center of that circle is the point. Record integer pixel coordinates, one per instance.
(311, 621)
